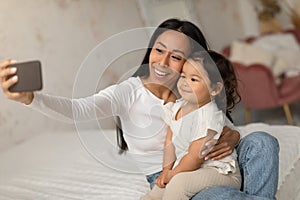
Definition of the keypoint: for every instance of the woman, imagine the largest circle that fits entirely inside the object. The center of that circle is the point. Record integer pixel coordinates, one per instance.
(143, 95)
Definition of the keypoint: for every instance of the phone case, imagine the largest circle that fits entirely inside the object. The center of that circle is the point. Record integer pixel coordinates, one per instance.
(29, 76)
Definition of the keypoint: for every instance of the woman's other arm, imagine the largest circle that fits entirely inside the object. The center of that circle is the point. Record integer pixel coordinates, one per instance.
(224, 146)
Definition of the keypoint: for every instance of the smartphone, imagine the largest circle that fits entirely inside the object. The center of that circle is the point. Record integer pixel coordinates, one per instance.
(29, 76)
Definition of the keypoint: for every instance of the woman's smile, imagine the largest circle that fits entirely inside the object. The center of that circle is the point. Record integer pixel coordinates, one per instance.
(162, 72)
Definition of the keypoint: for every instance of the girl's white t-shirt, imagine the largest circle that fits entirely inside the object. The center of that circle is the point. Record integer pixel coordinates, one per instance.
(195, 125)
(140, 111)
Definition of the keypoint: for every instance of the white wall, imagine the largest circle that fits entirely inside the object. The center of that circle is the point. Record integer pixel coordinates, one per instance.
(60, 33)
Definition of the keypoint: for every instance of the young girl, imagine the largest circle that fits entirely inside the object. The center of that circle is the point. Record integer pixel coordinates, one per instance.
(196, 117)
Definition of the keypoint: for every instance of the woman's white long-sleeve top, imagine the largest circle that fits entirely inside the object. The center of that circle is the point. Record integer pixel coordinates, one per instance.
(140, 111)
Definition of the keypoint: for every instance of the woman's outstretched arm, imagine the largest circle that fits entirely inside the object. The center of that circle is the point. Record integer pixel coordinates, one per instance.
(106, 103)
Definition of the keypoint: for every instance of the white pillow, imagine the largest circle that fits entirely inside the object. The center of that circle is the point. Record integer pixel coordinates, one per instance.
(280, 66)
(279, 61)
(248, 54)
(274, 42)
(290, 56)
(285, 49)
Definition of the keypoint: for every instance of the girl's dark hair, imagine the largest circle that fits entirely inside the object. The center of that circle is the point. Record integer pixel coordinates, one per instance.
(197, 41)
(220, 69)
(230, 82)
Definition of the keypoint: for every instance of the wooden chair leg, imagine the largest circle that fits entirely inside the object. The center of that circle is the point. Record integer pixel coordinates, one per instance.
(288, 115)
(247, 115)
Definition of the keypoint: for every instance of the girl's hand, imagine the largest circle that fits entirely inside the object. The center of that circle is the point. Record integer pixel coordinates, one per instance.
(163, 179)
(23, 97)
(224, 146)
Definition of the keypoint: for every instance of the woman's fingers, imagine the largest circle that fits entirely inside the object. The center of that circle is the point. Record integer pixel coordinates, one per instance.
(210, 142)
(18, 96)
(4, 72)
(219, 151)
(219, 154)
(208, 147)
(8, 83)
(5, 63)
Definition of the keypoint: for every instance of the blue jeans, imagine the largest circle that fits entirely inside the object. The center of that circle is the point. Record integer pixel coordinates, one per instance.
(258, 156)
(151, 178)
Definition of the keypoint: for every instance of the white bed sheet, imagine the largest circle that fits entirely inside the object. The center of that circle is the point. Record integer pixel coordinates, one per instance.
(57, 166)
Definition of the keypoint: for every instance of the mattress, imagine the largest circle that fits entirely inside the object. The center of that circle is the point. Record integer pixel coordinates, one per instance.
(56, 166)
(61, 166)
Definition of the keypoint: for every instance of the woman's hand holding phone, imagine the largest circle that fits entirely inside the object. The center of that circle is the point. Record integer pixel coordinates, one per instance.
(6, 83)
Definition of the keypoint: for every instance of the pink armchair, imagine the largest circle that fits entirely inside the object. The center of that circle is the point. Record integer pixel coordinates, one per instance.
(259, 90)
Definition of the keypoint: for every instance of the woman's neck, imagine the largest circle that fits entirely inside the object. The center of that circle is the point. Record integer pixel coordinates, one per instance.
(161, 92)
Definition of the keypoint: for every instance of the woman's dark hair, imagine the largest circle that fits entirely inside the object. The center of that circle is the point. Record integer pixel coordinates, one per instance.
(220, 69)
(197, 41)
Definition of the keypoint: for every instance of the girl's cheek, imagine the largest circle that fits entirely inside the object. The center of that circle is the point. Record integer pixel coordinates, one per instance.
(179, 82)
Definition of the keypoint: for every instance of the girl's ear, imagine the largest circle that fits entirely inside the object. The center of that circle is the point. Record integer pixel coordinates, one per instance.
(217, 89)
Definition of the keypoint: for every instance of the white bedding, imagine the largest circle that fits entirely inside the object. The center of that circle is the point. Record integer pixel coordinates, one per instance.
(57, 166)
